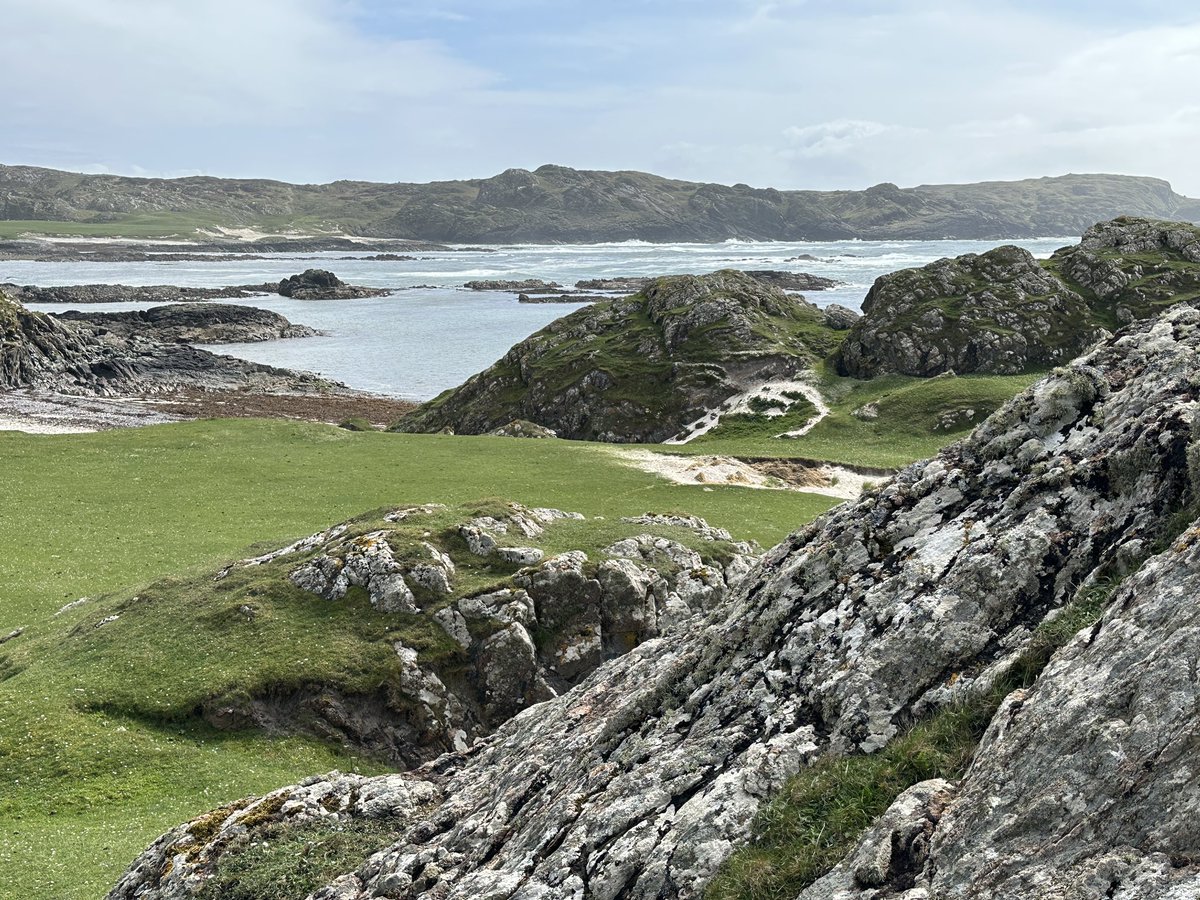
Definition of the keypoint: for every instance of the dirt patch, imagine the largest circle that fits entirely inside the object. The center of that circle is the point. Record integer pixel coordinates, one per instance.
(378, 410)
(47, 413)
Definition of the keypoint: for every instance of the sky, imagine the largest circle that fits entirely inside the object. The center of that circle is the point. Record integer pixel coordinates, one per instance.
(792, 94)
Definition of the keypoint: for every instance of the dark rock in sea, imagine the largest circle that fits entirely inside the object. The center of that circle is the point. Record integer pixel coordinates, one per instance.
(195, 323)
(625, 283)
(528, 286)
(561, 298)
(930, 594)
(321, 284)
(120, 293)
(792, 281)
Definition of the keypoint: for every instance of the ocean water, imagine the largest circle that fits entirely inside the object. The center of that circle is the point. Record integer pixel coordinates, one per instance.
(431, 334)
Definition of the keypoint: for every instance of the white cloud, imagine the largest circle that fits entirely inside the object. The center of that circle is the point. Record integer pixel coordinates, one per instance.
(214, 61)
(832, 138)
(787, 93)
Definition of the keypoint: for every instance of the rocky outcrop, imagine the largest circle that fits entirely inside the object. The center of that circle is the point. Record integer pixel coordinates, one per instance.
(997, 312)
(195, 323)
(42, 351)
(639, 368)
(472, 657)
(792, 281)
(787, 281)
(560, 204)
(1132, 268)
(640, 781)
(321, 284)
(526, 286)
(121, 293)
(1002, 312)
(1075, 791)
(519, 428)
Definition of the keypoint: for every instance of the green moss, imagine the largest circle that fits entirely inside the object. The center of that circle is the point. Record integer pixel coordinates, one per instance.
(288, 862)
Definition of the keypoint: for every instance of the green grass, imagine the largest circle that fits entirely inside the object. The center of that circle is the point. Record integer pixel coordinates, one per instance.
(908, 426)
(289, 863)
(96, 761)
(820, 814)
(158, 225)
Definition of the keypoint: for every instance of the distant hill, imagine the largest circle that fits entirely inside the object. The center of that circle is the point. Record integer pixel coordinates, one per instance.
(554, 203)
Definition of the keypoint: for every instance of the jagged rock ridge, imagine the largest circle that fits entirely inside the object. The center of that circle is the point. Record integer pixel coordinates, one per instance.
(640, 368)
(556, 203)
(44, 352)
(639, 782)
(194, 323)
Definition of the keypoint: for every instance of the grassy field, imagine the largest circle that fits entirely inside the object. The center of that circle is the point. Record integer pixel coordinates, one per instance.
(104, 515)
(912, 419)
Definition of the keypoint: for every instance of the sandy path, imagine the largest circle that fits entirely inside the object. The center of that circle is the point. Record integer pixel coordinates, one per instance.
(740, 403)
(826, 479)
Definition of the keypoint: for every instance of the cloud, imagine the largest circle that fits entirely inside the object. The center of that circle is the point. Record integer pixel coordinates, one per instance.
(832, 138)
(788, 93)
(221, 62)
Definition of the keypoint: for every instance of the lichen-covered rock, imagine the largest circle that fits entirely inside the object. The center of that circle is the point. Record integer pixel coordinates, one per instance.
(997, 312)
(639, 368)
(1002, 312)
(1083, 786)
(639, 782)
(178, 863)
(368, 561)
(520, 428)
(44, 352)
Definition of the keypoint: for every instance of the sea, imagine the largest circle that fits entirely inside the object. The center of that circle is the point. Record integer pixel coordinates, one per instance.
(430, 333)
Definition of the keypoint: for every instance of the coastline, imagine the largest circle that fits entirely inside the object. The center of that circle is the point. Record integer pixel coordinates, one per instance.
(43, 412)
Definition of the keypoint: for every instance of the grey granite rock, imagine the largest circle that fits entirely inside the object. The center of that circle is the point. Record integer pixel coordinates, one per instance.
(641, 781)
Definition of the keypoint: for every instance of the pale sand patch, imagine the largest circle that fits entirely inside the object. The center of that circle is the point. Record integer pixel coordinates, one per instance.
(826, 479)
(46, 413)
(740, 403)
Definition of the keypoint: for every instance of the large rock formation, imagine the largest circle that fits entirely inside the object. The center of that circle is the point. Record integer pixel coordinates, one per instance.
(194, 323)
(557, 204)
(639, 368)
(641, 781)
(1002, 312)
(997, 312)
(44, 352)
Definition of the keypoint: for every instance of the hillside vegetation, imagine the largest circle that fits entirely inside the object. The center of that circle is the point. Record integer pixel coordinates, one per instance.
(556, 203)
(640, 368)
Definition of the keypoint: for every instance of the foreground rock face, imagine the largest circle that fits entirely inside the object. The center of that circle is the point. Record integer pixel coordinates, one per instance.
(640, 781)
(195, 323)
(1078, 787)
(639, 368)
(1002, 312)
(42, 351)
(526, 637)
